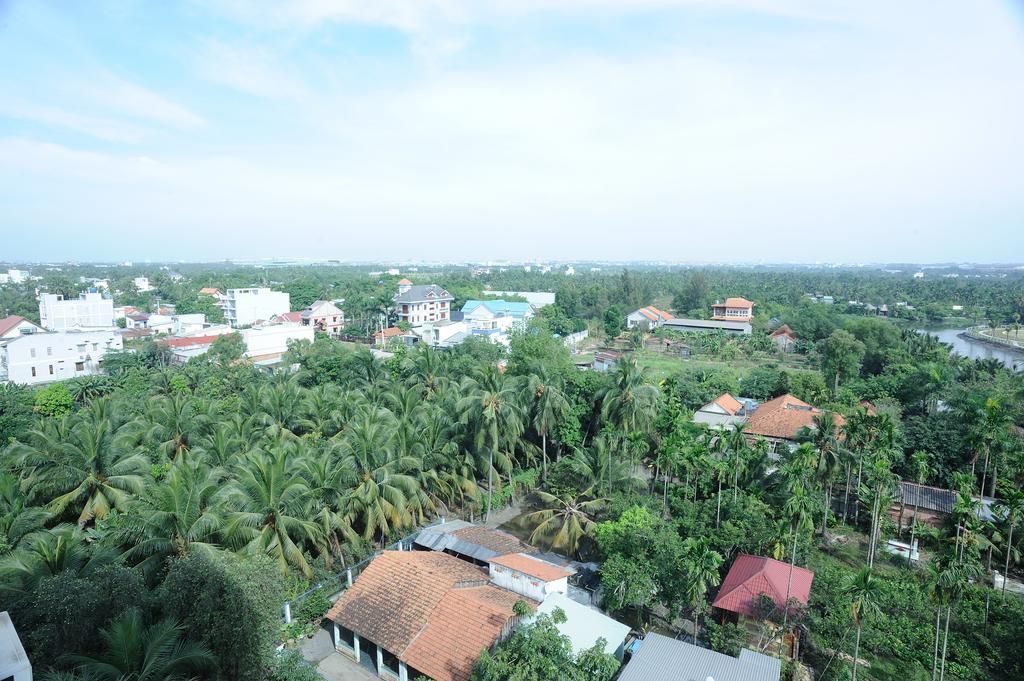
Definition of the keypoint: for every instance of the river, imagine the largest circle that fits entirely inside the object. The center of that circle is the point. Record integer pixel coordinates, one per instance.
(975, 349)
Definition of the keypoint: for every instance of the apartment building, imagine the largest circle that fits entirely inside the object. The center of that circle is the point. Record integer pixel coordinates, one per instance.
(90, 310)
(246, 306)
(56, 356)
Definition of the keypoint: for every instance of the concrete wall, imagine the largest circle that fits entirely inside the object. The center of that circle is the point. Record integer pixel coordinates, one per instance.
(56, 356)
(525, 585)
(89, 310)
(246, 306)
(273, 340)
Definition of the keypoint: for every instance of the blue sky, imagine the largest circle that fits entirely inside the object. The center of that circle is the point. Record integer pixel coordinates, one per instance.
(744, 130)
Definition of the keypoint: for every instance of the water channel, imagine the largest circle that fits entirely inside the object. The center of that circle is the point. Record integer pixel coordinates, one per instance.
(973, 349)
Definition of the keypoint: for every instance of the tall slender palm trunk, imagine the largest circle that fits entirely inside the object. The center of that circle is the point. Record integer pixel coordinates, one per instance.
(544, 450)
(945, 641)
(718, 512)
(789, 587)
(935, 652)
(913, 531)
(856, 653)
(1006, 568)
(846, 494)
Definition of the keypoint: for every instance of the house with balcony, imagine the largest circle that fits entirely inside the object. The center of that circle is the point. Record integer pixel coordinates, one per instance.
(323, 316)
(246, 306)
(90, 310)
(733, 310)
(417, 305)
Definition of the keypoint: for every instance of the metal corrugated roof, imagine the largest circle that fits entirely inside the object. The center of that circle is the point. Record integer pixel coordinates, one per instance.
(660, 658)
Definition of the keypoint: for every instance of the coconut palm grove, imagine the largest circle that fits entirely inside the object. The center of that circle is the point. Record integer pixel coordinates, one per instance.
(156, 517)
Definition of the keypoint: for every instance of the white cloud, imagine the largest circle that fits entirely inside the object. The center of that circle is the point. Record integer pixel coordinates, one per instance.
(252, 70)
(102, 128)
(121, 97)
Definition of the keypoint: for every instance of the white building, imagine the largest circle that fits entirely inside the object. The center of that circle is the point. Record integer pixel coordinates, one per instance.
(246, 306)
(16, 327)
(142, 284)
(14, 663)
(537, 299)
(91, 310)
(528, 576)
(270, 342)
(56, 356)
(14, 277)
(443, 334)
(418, 305)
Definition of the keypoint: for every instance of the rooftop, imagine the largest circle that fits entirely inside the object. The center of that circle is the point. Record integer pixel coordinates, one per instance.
(784, 417)
(736, 302)
(530, 566)
(584, 624)
(435, 612)
(751, 576)
(416, 294)
(660, 658)
(8, 323)
(728, 403)
(472, 541)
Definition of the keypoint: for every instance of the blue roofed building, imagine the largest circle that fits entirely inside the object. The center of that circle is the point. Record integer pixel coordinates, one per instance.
(495, 319)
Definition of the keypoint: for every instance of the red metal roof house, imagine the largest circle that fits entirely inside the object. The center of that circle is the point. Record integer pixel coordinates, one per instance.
(751, 576)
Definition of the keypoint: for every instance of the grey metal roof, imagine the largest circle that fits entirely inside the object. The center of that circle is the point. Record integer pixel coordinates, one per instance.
(707, 324)
(929, 498)
(660, 658)
(420, 293)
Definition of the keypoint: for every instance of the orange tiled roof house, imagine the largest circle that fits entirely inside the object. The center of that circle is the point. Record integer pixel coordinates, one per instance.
(733, 310)
(413, 613)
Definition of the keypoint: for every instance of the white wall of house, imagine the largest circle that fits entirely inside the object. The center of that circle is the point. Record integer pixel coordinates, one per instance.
(185, 324)
(525, 585)
(142, 284)
(14, 663)
(435, 334)
(245, 306)
(88, 310)
(23, 328)
(273, 340)
(45, 357)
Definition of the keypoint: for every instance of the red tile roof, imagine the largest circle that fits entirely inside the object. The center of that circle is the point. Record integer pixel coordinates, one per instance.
(389, 332)
(404, 282)
(190, 341)
(433, 611)
(751, 576)
(736, 302)
(289, 317)
(8, 323)
(728, 403)
(783, 330)
(498, 541)
(530, 566)
(210, 291)
(783, 418)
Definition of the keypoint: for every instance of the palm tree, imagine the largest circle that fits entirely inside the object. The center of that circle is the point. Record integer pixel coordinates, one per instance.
(91, 468)
(798, 509)
(385, 494)
(920, 462)
(18, 519)
(137, 652)
(1012, 505)
(597, 465)
(49, 553)
(953, 580)
(548, 407)
(174, 423)
(491, 409)
(824, 436)
(178, 515)
(864, 592)
(628, 402)
(736, 441)
(566, 519)
(702, 566)
(271, 498)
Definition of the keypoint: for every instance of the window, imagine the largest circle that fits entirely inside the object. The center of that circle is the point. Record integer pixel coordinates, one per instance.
(79, 366)
(95, 346)
(49, 351)
(31, 352)
(33, 372)
(51, 370)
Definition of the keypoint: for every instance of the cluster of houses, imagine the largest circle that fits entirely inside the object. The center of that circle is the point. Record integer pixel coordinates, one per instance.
(425, 314)
(429, 611)
(732, 316)
(74, 334)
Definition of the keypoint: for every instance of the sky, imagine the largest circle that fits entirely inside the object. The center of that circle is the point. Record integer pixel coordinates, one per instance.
(682, 130)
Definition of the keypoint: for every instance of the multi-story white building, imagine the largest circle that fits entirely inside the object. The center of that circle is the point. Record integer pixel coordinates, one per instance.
(56, 356)
(246, 306)
(90, 310)
(418, 305)
(142, 284)
(14, 277)
(271, 342)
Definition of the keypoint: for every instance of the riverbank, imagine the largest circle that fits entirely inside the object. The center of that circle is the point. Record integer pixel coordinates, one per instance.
(977, 334)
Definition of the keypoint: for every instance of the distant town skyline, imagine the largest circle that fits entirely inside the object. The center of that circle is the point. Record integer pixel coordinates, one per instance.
(752, 131)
